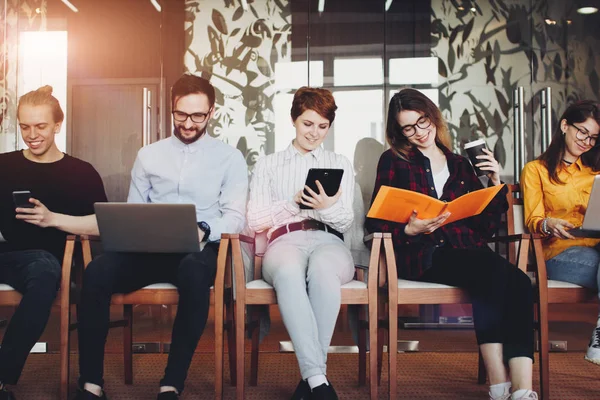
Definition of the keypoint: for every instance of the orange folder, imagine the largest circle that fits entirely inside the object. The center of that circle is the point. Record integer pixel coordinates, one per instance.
(393, 204)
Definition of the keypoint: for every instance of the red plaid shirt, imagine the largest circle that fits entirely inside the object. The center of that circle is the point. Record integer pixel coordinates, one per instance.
(413, 253)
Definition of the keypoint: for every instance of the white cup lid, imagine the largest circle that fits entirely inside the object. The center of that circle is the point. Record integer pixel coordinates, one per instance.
(474, 143)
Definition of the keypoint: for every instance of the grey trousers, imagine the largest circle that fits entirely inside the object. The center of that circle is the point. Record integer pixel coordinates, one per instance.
(307, 269)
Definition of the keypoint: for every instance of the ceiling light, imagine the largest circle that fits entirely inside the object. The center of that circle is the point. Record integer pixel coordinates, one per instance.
(569, 22)
(321, 6)
(70, 5)
(388, 4)
(473, 9)
(587, 10)
(461, 8)
(156, 5)
(550, 21)
(245, 4)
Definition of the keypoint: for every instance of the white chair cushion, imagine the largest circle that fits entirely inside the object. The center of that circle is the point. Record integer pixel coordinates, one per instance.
(261, 284)
(406, 284)
(355, 285)
(554, 284)
(562, 285)
(4, 287)
(160, 286)
(258, 284)
(163, 286)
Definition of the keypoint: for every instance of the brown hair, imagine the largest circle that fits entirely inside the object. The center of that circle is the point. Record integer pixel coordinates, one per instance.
(40, 97)
(413, 100)
(317, 99)
(552, 157)
(191, 84)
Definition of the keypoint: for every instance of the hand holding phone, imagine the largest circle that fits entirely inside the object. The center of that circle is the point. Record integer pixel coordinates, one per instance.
(323, 182)
(21, 199)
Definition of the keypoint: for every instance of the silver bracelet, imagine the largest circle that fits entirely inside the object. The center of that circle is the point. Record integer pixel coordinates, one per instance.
(545, 230)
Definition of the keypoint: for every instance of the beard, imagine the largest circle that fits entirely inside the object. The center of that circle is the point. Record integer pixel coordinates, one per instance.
(198, 132)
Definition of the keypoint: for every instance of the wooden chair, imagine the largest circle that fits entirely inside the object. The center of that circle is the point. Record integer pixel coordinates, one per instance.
(11, 297)
(166, 294)
(552, 292)
(416, 292)
(259, 292)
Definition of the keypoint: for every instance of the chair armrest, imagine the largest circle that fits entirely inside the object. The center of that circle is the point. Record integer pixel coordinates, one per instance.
(243, 238)
(369, 238)
(508, 238)
(92, 238)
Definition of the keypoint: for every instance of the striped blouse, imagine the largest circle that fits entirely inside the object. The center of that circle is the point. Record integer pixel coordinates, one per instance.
(278, 177)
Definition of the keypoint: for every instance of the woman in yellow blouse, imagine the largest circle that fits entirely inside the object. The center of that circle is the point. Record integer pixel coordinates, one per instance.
(556, 188)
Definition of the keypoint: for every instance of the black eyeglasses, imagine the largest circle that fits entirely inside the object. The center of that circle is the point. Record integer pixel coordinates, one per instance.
(198, 118)
(581, 135)
(409, 130)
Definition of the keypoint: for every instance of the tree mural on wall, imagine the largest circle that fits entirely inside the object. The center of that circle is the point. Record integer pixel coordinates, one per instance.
(20, 15)
(238, 49)
(484, 55)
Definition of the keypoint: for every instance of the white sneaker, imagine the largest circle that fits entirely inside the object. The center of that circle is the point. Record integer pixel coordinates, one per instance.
(593, 352)
(505, 396)
(530, 395)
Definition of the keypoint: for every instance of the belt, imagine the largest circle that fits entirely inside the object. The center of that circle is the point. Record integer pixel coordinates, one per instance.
(306, 225)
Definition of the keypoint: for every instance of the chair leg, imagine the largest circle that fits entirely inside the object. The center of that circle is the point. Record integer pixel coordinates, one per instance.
(373, 345)
(362, 347)
(255, 326)
(240, 325)
(128, 343)
(65, 317)
(481, 371)
(544, 352)
(230, 326)
(381, 336)
(393, 349)
(219, 345)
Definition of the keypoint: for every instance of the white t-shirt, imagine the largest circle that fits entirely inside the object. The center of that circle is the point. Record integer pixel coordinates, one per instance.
(439, 180)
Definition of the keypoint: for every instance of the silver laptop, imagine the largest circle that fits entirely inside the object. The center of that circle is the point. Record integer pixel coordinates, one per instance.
(148, 228)
(591, 220)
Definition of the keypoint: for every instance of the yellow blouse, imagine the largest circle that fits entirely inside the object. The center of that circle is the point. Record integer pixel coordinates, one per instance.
(545, 199)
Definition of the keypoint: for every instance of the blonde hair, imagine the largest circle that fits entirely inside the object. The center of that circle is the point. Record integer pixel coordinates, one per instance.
(40, 97)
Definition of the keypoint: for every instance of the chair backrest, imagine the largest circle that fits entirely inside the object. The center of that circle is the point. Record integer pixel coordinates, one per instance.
(514, 216)
(514, 219)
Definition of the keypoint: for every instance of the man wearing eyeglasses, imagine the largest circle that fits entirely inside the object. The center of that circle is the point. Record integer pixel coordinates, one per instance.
(188, 167)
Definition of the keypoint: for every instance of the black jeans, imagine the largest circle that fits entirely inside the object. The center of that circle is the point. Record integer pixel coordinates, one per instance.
(501, 295)
(36, 275)
(193, 274)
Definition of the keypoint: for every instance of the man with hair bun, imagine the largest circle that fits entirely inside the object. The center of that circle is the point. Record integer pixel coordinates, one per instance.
(30, 260)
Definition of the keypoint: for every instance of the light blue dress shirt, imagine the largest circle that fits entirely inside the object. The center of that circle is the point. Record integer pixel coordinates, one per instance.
(207, 173)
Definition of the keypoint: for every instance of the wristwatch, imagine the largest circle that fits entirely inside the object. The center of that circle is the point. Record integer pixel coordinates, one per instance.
(204, 227)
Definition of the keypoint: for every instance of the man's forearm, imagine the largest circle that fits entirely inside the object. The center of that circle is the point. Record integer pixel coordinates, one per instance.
(86, 225)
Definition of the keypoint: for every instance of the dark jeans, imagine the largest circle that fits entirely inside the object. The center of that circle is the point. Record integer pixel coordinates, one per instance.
(501, 295)
(193, 274)
(36, 275)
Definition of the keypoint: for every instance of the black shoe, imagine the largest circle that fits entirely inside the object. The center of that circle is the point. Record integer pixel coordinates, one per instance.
(324, 392)
(170, 395)
(7, 395)
(302, 391)
(85, 395)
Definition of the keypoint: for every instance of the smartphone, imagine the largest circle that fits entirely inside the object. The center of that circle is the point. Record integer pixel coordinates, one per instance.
(21, 199)
(330, 179)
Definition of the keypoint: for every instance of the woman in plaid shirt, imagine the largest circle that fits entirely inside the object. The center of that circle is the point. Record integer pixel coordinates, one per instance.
(456, 254)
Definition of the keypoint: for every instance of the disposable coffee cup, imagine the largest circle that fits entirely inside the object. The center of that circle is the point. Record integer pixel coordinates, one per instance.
(473, 150)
